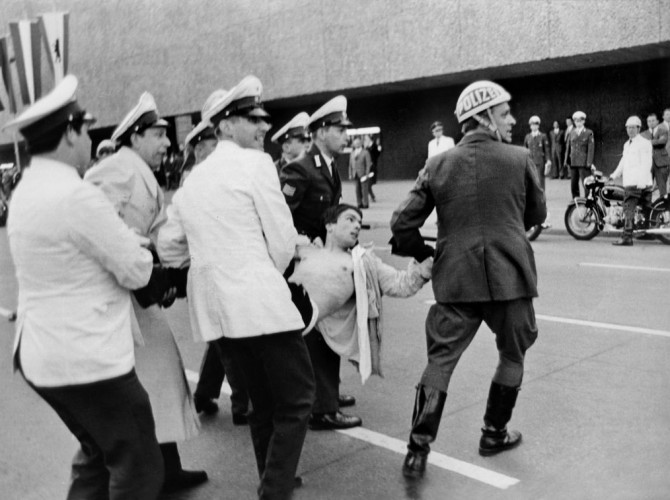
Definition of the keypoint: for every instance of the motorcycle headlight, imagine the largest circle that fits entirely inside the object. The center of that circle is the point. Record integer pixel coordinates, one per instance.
(589, 180)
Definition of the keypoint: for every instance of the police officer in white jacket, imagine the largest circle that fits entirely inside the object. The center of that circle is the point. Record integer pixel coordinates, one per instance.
(635, 167)
(75, 262)
(232, 218)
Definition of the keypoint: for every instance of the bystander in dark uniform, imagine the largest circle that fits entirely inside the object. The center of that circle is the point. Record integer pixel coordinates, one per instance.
(486, 195)
(293, 139)
(658, 135)
(579, 151)
(538, 145)
(311, 184)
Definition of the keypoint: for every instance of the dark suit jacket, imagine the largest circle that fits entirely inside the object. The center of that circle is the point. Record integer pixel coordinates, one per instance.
(658, 143)
(556, 141)
(360, 165)
(486, 194)
(580, 148)
(309, 190)
(538, 147)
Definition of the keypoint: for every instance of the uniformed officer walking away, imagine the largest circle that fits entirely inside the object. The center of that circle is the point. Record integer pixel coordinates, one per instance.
(127, 180)
(311, 184)
(635, 166)
(486, 194)
(579, 151)
(231, 219)
(293, 138)
(75, 262)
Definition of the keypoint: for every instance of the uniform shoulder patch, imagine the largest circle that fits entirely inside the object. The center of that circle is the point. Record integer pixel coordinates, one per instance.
(288, 190)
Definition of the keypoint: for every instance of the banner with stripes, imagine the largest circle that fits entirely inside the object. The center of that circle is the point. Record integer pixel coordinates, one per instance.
(55, 33)
(26, 39)
(7, 74)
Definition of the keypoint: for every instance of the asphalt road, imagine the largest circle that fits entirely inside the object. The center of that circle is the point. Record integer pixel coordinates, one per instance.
(594, 410)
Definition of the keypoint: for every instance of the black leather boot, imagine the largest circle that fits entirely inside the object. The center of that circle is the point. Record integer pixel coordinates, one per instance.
(495, 436)
(176, 478)
(426, 417)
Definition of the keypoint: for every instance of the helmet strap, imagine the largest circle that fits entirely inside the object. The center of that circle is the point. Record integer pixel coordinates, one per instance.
(488, 123)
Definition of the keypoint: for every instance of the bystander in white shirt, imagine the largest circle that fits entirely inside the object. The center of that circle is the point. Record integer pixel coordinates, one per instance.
(635, 164)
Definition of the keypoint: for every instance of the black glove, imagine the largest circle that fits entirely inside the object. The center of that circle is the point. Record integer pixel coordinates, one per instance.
(178, 278)
(154, 291)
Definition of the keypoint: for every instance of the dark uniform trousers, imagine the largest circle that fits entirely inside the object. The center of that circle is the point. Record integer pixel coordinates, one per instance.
(632, 197)
(577, 176)
(278, 374)
(119, 458)
(326, 364)
(217, 364)
(451, 327)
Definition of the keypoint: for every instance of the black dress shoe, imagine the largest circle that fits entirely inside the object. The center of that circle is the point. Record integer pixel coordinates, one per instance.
(623, 242)
(205, 405)
(414, 465)
(240, 419)
(333, 421)
(343, 400)
(298, 482)
(183, 479)
(494, 441)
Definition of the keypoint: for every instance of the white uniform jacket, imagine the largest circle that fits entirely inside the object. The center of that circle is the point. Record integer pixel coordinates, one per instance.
(75, 261)
(636, 163)
(128, 181)
(131, 186)
(436, 147)
(232, 217)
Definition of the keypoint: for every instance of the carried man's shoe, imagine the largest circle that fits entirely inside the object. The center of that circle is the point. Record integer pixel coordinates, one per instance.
(645, 237)
(625, 241)
(344, 400)
(333, 421)
(183, 479)
(205, 405)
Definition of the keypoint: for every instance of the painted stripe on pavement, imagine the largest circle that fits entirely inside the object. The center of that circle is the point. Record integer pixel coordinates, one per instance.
(593, 324)
(632, 268)
(606, 326)
(437, 459)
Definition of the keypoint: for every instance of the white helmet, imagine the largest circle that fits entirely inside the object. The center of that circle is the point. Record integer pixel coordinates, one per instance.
(479, 96)
(534, 119)
(634, 121)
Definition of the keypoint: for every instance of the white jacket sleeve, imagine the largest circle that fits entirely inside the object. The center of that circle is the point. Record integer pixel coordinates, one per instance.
(172, 245)
(99, 233)
(274, 214)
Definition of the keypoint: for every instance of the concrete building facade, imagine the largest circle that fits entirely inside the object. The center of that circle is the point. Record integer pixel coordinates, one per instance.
(401, 63)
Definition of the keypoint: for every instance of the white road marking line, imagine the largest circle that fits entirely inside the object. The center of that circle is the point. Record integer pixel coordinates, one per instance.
(437, 459)
(607, 326)
(632, 268)
(443, 461)
(593, 324)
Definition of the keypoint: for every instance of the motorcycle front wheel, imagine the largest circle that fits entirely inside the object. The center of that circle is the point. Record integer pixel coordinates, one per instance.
(660, 219)
(581, 221)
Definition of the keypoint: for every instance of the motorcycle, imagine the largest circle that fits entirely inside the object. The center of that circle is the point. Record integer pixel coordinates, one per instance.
(602, 209)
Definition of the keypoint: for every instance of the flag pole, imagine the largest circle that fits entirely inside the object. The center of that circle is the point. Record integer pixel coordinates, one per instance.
(16, 152)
